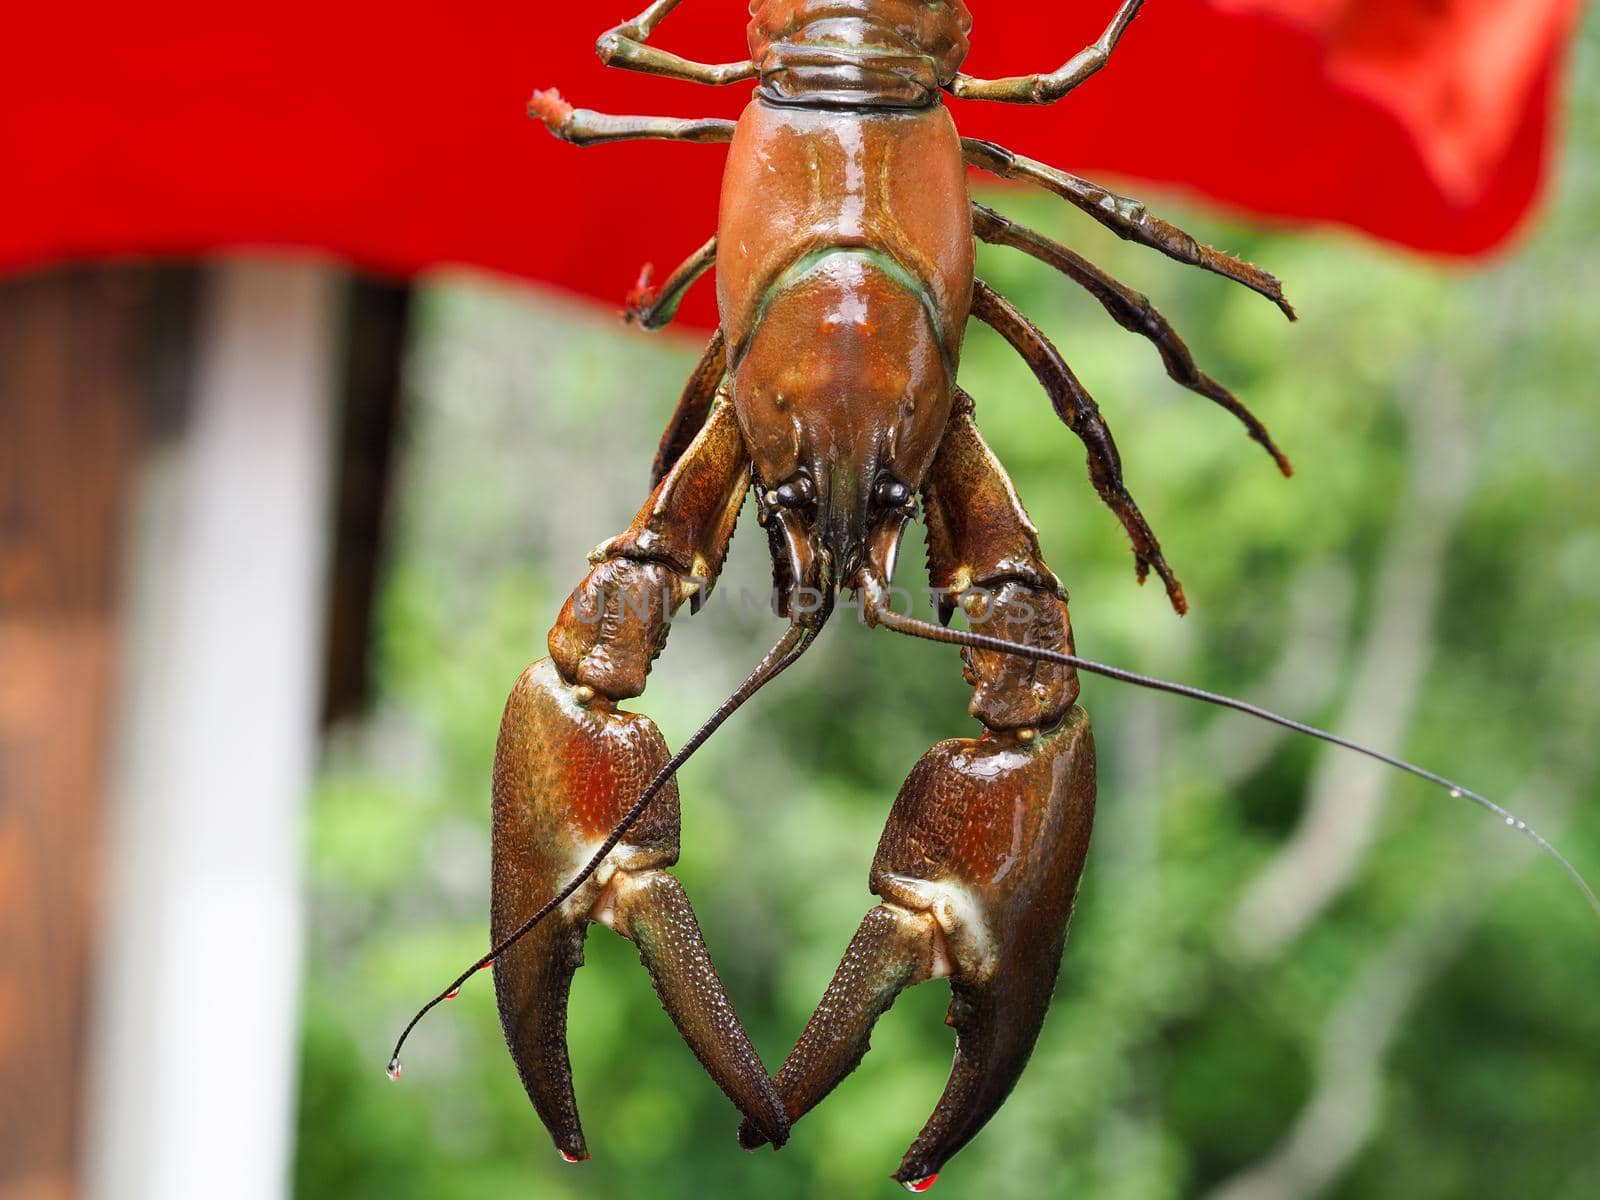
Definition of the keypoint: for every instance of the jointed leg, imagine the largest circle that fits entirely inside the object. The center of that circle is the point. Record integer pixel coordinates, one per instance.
(1047, 89)
(694, 407)
(570, 763)
(1081, 414)
(980, 861)
(1128, 308)
(585, 127)
(654, 308)
(1125, 217)
(624, 47)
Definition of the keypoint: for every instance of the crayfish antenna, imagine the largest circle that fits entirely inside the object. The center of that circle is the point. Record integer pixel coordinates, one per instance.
(927, 631)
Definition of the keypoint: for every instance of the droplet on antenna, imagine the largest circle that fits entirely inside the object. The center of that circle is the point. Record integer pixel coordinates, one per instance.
(917, 1186)
(394, 1069)
(1455, 793)
(573, 1158)
(453, 993)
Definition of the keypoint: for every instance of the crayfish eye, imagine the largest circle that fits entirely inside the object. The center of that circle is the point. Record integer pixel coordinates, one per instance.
(891, 493)
(797, 493)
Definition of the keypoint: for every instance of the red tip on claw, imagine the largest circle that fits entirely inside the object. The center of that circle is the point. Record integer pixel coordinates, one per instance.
(917, 1186)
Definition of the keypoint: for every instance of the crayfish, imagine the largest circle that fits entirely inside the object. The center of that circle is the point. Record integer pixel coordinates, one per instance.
(844, 257)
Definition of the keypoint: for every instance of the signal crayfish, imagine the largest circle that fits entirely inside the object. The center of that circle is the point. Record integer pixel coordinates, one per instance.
(845, 260)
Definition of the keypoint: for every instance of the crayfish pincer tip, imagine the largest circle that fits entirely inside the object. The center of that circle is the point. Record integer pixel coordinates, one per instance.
(772, 1132)
(751, 1138)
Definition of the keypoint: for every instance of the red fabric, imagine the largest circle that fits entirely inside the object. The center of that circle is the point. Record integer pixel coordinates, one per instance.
(394, 136)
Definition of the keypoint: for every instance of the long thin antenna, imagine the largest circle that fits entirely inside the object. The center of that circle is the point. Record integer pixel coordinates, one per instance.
(795, 642)
(912, 627)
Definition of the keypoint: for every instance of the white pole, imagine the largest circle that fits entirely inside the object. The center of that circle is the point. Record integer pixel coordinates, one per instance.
(193, 1072)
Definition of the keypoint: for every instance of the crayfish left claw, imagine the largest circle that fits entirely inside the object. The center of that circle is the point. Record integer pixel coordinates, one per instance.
(977, 872)
(568, 764)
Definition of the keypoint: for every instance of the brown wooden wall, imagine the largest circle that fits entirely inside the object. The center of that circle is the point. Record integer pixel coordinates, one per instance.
(77, 368)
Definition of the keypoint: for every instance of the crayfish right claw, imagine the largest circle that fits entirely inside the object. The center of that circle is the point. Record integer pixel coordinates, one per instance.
(977, 871)
(569, 763)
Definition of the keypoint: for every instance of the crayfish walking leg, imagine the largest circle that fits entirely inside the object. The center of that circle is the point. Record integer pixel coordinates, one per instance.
(979, 864)
(570, 763)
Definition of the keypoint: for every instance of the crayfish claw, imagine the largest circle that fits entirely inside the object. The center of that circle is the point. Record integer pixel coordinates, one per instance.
(892, 950)
(532, 983)
(568, 763)
(977, 872)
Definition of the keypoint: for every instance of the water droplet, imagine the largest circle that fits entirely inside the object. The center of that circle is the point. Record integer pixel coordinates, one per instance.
(453, 992)
(394, 1069)
(486, 966)
(1511, 820)
(1455, 793)
(573, 1158)
(917, 1186)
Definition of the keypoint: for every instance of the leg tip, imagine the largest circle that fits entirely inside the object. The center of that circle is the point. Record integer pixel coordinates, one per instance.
(751, 1138)
(549, 107)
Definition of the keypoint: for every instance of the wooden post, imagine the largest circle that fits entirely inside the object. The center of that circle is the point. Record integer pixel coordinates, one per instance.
(75, 374)
(164, 511)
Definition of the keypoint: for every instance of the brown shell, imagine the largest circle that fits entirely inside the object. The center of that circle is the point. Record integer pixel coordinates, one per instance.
(800, 180)
(935, 28)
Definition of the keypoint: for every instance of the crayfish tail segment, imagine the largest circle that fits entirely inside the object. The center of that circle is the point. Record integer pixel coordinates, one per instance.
(569, 764)
(977, 871)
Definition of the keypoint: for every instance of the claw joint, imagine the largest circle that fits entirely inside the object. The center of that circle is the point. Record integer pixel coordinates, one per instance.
(962, 945)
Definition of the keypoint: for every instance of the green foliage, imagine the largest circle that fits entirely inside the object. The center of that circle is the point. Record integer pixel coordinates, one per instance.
(1445, 432)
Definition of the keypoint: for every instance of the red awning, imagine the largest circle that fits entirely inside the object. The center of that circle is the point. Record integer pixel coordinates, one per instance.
(394, 135)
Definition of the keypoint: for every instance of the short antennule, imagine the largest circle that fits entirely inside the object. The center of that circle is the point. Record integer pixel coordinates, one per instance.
(881, 614)
(795, 642)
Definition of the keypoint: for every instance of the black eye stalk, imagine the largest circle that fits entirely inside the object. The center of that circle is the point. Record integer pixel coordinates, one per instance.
(797, 493)
(891, 493)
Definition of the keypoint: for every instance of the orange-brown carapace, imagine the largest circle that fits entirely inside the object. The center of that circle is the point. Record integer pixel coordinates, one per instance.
(845, 260)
